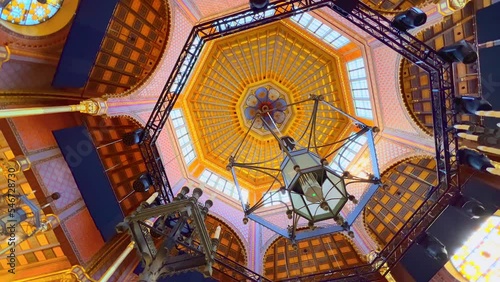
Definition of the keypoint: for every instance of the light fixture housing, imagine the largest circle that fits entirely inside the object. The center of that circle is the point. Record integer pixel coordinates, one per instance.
(258, 5)
(432, 246)
(316, 184)
(143, 183)
(409, 19)
(461, 51)
(316, 191)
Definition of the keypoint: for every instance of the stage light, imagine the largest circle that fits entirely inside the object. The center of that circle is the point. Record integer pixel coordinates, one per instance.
(433, 247)
(345, 7)
(134, 137)
(474, 159)
(468, 206)
(258, 5)
(461, 51)
(143, 183)
(410, 19)
(471, 105)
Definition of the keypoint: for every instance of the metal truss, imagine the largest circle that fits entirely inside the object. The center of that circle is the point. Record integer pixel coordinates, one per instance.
(442, 86)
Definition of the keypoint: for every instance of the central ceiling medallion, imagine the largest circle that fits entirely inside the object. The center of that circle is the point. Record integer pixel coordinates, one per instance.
(271, 103)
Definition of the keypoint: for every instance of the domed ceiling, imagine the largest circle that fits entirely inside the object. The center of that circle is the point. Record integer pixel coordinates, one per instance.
(263, 69)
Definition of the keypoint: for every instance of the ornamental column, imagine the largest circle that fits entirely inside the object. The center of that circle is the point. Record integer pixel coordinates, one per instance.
(94, 106)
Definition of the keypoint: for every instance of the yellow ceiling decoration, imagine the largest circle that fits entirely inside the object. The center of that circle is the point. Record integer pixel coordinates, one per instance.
(232, 73)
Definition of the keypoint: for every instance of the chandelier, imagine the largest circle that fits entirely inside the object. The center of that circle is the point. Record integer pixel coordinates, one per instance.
(318, 191)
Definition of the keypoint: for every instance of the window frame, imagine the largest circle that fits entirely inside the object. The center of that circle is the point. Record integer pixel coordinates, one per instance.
(360, 92)
(183, 137)
(222, 185)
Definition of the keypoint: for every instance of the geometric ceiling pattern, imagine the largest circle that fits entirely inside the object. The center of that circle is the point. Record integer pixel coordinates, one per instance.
(324, 253)
(131, 48)
(277, 56)
(405, 187)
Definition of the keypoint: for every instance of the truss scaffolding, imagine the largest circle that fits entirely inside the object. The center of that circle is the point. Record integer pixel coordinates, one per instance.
(362, 16)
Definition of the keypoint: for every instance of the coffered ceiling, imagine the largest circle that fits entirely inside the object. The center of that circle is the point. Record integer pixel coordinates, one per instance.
(285, 65)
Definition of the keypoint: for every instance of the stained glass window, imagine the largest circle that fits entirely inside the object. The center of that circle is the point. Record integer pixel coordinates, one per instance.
(28, 12)
(479, 258)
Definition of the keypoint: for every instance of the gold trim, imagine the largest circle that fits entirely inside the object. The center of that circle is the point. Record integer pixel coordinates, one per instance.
(56, 23)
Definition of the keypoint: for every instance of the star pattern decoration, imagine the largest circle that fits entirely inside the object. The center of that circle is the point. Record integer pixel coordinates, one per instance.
(268, 103)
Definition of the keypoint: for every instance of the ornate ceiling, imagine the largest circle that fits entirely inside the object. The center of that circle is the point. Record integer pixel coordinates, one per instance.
(284, 64)
(327, 252)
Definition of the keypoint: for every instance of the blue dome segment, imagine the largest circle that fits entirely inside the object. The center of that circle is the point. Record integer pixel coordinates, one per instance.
(279, 104)
(261, 94)
(250, 113)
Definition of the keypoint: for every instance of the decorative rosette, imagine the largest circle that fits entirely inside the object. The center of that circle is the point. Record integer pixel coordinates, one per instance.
(269, 104)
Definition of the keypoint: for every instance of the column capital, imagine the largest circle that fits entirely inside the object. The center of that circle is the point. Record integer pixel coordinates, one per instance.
(94, 106)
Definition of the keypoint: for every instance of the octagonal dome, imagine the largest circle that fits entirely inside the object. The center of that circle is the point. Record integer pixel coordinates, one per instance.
(278, 56)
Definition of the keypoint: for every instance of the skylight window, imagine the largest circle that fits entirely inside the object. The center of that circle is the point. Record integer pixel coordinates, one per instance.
(183, 136)
(346, 154)
(272, 198)
(187, 64)
(321, 30)
(220, 184)
(240, 20)
(359, 88)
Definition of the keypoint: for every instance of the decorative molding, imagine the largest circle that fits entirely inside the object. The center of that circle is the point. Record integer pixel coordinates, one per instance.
(45, 191)
(68, 235)
(189, 9)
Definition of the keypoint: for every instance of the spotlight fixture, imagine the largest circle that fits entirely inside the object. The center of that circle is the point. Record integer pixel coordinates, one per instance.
(474, 159)
(433, 247)
(471, 105)
(468, 206)
(409, 19)
(143, 183)
(134, 137)
(461, 51)
(258, 5)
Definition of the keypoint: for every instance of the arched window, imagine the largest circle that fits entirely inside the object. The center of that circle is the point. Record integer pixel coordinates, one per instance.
(479, 258)
(28, 12)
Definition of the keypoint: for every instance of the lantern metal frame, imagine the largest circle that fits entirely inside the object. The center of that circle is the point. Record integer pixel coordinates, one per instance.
(287, 185)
